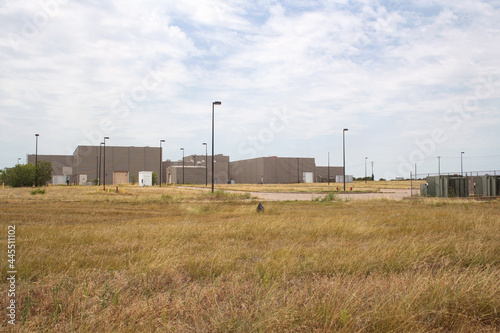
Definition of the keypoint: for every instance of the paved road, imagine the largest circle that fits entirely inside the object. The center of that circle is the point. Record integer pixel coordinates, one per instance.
(394, 194)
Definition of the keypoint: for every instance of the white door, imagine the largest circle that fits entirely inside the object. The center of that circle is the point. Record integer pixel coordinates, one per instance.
(307, 177)
(83, 180)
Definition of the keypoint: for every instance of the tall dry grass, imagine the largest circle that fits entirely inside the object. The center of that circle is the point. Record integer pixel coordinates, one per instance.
(358, 186)
(189, 261)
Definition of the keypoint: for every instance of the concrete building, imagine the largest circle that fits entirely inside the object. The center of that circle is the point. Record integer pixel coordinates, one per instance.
(123, 164)
(62, 166)
(321, 174)
(196, 170)
(273, 170)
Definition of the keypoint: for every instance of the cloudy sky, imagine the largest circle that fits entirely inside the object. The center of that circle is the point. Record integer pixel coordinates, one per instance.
(411, 80)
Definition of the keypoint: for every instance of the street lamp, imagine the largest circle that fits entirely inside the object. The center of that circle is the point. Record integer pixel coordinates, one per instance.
(213, 105)
(298, 171)
(104, 175)
(100, 162)
(182, 166)
(365, 168)
(461, 164)
(18, 160)
(343, 152)
(328, 168)
(160, 159)
(206, 163)
(96, 169)
(36, 160)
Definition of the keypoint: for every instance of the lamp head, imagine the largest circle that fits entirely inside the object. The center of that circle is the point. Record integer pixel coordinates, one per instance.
(217, 103)
(162, 140)
(37, 134)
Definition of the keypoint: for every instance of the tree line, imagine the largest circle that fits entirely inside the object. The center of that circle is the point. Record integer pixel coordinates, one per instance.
(27, 175)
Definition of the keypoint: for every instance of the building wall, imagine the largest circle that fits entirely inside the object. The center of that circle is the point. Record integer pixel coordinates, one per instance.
(271, 170)
(221, 166)
(321, 173)
(62, 165)
(118, 159)
(192, 175)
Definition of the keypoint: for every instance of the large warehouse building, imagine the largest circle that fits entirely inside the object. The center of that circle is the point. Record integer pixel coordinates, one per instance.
(121, 165)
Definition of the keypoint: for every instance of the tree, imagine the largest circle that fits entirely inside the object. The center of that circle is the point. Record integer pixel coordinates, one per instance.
(24, 175)
(44, 172)
(19, 176)
(155, 178)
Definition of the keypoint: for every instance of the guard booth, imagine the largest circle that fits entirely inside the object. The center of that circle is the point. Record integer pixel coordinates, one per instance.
(487, 186)
(146, 178)
(445, 187)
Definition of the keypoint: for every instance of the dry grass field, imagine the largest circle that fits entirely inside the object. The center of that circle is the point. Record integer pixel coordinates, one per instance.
(173, 260)
(358, 186)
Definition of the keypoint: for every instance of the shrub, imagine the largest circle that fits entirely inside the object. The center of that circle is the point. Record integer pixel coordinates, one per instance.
(37, 191)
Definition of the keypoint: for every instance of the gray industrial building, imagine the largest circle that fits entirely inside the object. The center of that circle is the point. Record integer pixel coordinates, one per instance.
(62, 167)
(273, 170)
(322, 173)
(123, 165)
(196, 172)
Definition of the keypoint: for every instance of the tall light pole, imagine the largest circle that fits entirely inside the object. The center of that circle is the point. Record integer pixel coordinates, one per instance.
(328, 168)
(161, 159)
(182, 166)
(213, 105)
(96, 169)
(343, 152)
(206, 163)
(104, 175)
(439, 166)
(18, 160)
(36, 160)
(298, 171)
(365, 168)
(100, 162)
(462, 163)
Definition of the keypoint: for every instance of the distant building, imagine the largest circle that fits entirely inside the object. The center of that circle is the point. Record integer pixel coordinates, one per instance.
(196, 170)
(62, 166)
(123, 165)
(273, 170)
(321, 174)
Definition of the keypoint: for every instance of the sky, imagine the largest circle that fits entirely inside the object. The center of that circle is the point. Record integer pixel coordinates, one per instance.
(410, 80)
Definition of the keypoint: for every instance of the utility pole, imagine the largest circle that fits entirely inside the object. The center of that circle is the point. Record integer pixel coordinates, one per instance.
(373, 177)
(328, 168)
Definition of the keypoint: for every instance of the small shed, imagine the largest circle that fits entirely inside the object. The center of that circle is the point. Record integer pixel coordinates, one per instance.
(145, 178)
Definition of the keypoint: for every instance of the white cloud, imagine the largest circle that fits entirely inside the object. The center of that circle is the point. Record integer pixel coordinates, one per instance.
(363, 65)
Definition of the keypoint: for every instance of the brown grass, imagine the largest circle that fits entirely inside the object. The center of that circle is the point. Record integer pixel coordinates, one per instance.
(188, 261)
(358, 186)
